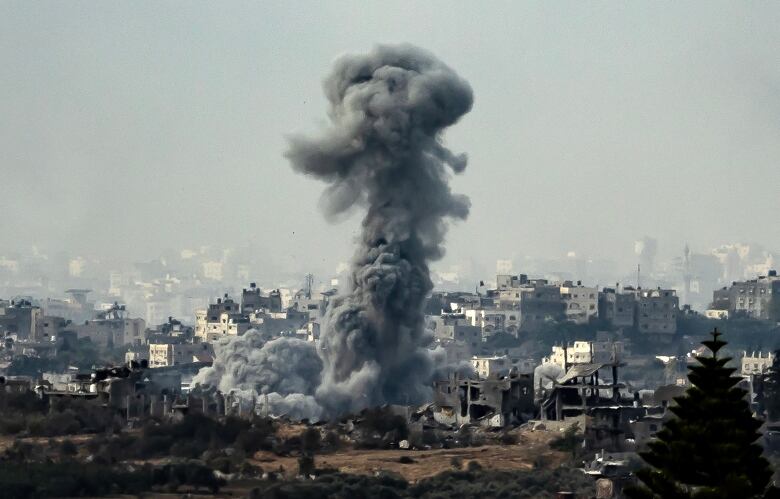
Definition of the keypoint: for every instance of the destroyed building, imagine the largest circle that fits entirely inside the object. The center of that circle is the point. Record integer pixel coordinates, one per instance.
(493, 402)
(614, 420)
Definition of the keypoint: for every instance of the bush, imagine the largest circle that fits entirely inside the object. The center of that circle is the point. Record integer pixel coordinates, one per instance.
(332, 440)
(473, 466)
(382, 420)
(570, 441)
(188, 448)
(311, 440)
(68, 448)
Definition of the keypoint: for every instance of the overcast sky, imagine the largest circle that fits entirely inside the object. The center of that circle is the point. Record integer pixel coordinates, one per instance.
(129, 127)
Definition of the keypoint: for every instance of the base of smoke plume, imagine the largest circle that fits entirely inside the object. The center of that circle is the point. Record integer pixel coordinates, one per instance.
(234, 373)
(295, 406)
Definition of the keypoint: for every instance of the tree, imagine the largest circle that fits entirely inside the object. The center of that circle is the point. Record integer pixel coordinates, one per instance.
(709, 449)
(771, 386)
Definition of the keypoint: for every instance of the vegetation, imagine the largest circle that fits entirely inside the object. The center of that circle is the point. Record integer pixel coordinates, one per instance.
(771, 390)
(708, 450)
(743, 334)
(75, 479)
(474, 483)
(570, 441)
(26, 414)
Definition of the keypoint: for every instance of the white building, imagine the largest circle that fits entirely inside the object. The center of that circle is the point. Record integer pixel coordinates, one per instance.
(585, 352)
(491, 321)
(714, 313)
(171, 354)
(756, 363)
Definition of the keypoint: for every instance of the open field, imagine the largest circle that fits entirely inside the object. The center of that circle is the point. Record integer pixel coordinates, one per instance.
(532, 447)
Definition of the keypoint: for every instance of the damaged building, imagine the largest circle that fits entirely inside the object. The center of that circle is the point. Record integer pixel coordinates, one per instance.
(614, 421)
(493, 402)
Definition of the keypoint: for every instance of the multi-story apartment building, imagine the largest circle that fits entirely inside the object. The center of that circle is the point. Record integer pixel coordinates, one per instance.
(253, 299)
(112, 328)
(456, 327)
(580, 303)
(540, 303)
(657, 311)
(21, 318)
(755, 299)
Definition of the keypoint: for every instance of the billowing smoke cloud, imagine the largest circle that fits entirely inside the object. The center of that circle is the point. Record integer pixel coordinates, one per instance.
(283, 371)
(383, 152)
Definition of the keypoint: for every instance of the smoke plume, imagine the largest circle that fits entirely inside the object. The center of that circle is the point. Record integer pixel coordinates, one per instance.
(383, 152)
(283, 371)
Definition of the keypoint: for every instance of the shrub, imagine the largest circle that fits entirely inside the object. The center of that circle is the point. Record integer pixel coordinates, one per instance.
(68, 448)
(311, 440)
(306, 465)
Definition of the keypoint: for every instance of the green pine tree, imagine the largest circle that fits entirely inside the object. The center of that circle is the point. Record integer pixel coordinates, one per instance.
(709, 449)
(771, 386)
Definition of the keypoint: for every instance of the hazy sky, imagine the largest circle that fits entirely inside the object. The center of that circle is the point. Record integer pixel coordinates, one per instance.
(128, 127)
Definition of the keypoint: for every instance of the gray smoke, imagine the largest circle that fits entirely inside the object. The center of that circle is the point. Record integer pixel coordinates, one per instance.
(546, 374)
(285, 371)
(383, 151)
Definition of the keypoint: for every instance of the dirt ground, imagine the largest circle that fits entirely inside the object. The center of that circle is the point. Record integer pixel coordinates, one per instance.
(532, 446)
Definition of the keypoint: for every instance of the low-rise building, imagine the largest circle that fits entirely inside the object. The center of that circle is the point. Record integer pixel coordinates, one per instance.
(487, 367)
(490, 321)
(756, 363)
(585, 352)
(171, 354)
(716, 314)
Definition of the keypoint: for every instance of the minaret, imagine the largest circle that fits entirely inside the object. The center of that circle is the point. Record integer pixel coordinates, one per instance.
(686, 275)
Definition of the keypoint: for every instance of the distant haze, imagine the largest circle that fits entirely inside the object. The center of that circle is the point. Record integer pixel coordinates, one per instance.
(131, 127)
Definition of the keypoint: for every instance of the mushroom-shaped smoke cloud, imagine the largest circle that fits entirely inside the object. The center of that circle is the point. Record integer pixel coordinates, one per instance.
(383, 152)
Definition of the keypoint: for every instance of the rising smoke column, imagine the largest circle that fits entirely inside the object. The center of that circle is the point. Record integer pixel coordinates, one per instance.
(383, 151)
